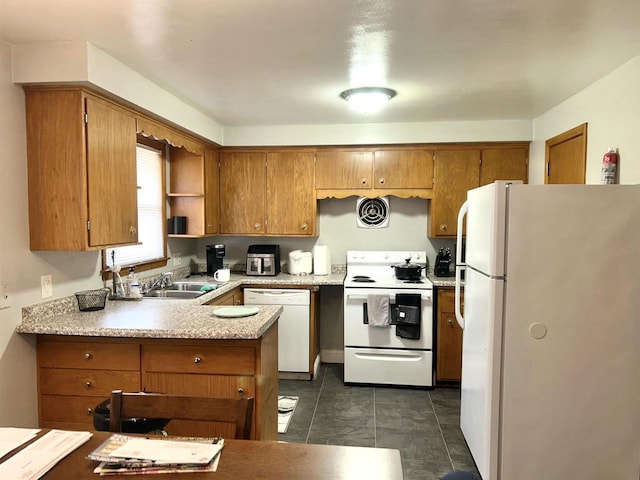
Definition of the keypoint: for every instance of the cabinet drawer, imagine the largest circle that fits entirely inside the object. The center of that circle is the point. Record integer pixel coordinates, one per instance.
(200, 385)
(198, 359)
(86, 382)
(68, 409)
(87, 355)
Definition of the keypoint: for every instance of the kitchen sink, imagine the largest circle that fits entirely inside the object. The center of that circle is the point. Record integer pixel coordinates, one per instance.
(185, 294)
(190, 286)
(184, 290)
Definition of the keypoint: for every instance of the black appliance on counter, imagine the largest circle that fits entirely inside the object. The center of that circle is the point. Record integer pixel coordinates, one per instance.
(442, 266)
(215, 256)
(263, 260)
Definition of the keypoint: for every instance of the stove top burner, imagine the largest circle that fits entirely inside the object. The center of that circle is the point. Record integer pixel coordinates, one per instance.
(363, 279)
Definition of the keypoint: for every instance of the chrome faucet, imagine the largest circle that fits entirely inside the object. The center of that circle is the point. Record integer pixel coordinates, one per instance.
(163, 281)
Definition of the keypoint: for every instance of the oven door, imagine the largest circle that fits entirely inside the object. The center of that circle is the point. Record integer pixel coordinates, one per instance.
(357, 333)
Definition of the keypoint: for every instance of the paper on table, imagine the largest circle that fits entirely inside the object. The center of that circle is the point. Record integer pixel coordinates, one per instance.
(13, 437)
(167, 451)
(36, 459)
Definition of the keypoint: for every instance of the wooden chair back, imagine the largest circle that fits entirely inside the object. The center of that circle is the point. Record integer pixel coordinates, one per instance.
(238, 411)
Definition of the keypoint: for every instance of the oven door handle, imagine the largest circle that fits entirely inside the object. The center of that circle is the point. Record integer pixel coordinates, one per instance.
(360, 296)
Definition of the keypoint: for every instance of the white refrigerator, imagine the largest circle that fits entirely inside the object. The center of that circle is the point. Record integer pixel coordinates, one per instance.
(551, 331)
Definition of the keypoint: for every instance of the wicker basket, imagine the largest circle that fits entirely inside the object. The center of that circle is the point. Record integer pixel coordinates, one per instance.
(90, 300)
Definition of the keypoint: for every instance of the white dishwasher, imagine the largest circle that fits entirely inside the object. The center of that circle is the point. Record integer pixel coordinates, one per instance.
(293, 324)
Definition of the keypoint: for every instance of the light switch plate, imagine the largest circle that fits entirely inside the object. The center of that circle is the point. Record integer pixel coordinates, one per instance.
(177, 259)
(46, 285)
(4, 298)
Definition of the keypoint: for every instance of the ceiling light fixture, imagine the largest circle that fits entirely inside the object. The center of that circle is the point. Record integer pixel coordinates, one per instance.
(368, 99)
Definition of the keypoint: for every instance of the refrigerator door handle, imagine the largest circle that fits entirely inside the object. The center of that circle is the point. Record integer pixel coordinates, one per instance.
(460, 267)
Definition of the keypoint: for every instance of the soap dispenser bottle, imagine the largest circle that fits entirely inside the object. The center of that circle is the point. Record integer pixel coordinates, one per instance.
(132, 288)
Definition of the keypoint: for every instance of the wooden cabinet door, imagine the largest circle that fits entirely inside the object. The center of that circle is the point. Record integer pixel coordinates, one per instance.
(504, 164)
(455, 173)
(337, 170)
(211, 191)
(200, 370)
(111, 174)
(403, 169)
(242, 192)
(291, 201)
(449, 339)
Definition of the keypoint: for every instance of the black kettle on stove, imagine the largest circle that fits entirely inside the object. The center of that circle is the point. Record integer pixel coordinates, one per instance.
(443, 263)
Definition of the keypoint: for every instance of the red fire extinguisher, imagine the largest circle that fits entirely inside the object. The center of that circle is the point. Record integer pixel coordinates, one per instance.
(609, 167)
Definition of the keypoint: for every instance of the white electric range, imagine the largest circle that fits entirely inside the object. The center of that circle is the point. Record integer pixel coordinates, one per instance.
(393, 354)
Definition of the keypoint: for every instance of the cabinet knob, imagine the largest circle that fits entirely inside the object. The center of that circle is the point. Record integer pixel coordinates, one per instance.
(89, 411)
(363, 181)
(240, 391)
(133, 230)
(89, 385)
(88, 356)
(256, 226)
(209, 225)
(197, 360)
(450, 322)
(443, 227)
(303, 226)
(381, 181)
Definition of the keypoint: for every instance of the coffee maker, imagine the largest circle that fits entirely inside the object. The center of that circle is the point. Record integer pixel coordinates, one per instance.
(215, 255)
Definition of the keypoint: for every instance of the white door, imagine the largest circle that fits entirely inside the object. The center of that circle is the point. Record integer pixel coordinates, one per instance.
(480, 385)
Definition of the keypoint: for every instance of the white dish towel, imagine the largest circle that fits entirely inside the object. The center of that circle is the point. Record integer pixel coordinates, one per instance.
(378, 310)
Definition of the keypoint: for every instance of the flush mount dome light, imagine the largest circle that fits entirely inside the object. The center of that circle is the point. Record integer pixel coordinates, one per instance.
(368, 99)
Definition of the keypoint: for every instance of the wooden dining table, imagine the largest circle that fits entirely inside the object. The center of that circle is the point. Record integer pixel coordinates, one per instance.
(264, 460)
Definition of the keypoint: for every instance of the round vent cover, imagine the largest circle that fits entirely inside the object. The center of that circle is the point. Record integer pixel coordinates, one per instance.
(372, 212)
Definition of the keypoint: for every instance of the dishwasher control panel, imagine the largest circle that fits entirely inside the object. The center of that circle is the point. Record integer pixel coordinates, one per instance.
(269, 296)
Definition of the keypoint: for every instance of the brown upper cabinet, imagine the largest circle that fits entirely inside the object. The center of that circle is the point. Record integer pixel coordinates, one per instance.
(267, 193)
(291, 201)
(458, 170)
(242, 193)
(81, 157)
(403, 172)
(193, 190)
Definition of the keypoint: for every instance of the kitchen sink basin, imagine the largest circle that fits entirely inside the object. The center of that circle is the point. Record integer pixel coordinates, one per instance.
(185, 294)
(184, 290)
(190, 286)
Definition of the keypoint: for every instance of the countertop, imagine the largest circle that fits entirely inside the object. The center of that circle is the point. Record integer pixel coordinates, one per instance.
(165, 318)
(168, 318)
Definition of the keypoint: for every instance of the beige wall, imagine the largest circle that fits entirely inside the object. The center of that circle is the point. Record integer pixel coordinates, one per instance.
(610, 106)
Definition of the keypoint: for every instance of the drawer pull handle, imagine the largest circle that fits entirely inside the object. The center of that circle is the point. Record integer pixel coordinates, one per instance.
(89, 411)
(197, 360)
(88, 356)
(89, 385)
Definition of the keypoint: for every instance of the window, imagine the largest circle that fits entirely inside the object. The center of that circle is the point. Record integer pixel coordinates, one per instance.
(151, 251)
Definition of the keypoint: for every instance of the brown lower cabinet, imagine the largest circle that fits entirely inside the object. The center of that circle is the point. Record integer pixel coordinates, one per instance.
(449, 338)
(77, 373)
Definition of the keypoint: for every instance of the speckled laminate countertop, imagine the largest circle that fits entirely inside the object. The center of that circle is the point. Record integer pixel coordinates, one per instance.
(164, 318)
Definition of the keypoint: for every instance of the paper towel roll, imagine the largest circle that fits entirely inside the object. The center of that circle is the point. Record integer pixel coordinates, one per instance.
(321, 260)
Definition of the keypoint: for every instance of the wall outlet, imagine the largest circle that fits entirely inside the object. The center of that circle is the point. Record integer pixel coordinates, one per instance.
(46, 285)
(177, 259)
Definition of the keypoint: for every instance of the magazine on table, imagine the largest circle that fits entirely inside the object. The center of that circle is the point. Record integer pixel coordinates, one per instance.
(126, 454)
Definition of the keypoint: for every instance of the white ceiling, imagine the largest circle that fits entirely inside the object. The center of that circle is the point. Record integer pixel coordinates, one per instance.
(284, 62)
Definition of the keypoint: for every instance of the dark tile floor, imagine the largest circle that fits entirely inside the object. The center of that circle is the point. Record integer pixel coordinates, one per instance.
(422, 424)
